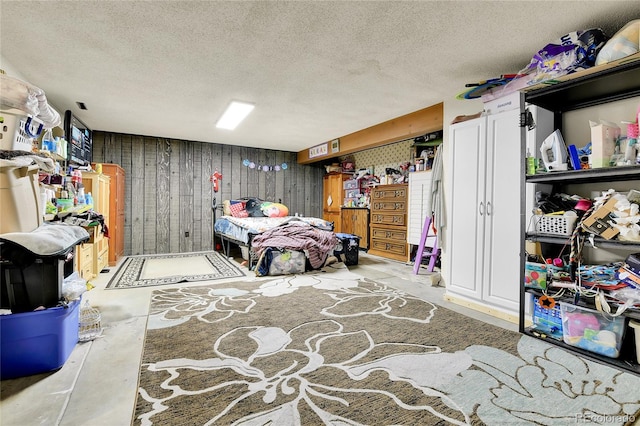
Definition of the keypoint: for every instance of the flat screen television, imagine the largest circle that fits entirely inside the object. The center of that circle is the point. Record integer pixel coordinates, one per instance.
(80, 140)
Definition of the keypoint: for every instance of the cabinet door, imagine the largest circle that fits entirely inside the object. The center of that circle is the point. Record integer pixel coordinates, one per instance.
(347, 221)
(332, 192)
(500, 283)
(361, 227)
(467, 207)
(419, 194)
(356, 222)
(335, 218)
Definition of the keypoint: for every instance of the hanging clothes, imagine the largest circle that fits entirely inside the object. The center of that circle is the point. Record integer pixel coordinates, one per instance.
(435, 203)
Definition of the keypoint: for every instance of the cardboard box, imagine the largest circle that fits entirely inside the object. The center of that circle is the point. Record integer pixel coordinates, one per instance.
(598, 221)
(603, 143)
(503, 103)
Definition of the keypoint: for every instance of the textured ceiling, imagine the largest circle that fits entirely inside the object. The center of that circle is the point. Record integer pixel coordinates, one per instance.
(315, 70)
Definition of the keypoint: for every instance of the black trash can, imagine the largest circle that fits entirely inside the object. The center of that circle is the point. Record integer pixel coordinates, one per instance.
(347, 248)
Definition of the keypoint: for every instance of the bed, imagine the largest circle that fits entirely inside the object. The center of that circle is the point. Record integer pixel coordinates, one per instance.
(277, 241)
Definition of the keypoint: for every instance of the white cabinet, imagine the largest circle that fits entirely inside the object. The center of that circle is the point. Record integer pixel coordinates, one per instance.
(419, 194)
(484, 214)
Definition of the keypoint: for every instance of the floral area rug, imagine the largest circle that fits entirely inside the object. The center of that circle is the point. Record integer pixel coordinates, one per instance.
(159, 269)
(338, 349)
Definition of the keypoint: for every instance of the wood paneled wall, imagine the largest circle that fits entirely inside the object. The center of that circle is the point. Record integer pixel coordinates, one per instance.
(168, 192)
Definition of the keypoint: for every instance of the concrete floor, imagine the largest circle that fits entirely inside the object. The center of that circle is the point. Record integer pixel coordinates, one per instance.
(98, 383)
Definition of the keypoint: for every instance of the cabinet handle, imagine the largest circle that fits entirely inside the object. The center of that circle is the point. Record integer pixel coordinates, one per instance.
(481, 208)
(489, 209)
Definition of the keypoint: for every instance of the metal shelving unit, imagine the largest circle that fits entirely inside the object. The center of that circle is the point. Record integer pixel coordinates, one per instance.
(598, 85)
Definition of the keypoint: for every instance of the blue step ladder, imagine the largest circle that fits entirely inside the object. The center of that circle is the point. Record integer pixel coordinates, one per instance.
(421, 253)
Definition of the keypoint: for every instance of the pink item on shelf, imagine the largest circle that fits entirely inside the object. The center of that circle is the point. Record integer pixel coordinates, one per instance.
(578, 322)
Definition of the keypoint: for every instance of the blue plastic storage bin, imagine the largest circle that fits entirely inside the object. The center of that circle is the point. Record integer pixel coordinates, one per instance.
(548, 321)
(37, 342)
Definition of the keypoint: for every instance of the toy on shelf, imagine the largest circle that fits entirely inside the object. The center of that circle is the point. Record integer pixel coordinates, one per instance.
(592, 330)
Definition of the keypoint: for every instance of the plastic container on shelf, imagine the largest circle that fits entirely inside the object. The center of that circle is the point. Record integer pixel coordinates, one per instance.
(547, 321)
(65, 203)
(351, 184)
(18, 130)
(535, 275)
(555, 224)
(592, 330)
(20, 198)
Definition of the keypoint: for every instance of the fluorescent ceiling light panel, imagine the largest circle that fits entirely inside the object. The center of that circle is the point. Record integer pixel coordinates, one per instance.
(234, 114)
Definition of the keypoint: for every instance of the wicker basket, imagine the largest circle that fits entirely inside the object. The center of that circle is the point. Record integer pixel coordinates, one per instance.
(555, 225)
(89, 323)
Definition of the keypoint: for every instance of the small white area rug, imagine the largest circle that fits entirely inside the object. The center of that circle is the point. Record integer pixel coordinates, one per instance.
(153, 270)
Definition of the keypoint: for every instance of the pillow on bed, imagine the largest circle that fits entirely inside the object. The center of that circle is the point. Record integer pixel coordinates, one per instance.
(238, 210)
(274, 209)
(252, 206)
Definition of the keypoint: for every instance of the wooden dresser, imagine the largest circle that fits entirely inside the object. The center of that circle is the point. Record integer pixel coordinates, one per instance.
(388, 236)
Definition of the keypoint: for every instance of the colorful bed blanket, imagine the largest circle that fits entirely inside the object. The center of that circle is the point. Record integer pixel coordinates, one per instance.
(242, 228)
(298, 235)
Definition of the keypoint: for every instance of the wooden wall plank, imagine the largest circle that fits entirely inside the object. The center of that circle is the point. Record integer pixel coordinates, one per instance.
(252, 174)
(291, 174)
(99, 146)
(196, 227)
(262, 159)
(270, 193)
(175, 232)
(127, 166)
(206, 233)
(136, 195)
(163, 211)
(242, 172)
(186, 197)
(226, 170)
(112, 151)
(150, 195)
(277, 177)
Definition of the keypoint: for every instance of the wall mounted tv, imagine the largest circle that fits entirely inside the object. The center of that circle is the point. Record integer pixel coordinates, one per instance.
(80, 139)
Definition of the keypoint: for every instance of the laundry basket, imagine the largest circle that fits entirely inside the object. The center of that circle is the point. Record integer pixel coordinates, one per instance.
(18, 130)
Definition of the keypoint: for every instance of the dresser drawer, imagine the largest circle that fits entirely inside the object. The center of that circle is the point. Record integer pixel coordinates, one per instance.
(101, 243)
(387, 246)
(398, 219)
(382, 192)
(389, 206)
(84, 261)
(389, 234)
(101, 260)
